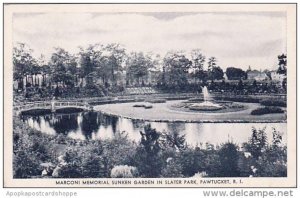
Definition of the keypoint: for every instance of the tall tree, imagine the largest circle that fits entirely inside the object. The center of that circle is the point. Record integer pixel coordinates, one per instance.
(148, 157)
(62, 67)
(282, 62)
(212, 62)
(235, 73)
(116, 57)
(23, 62)
(177, 68)
(138, 66)
(198, 60)
(216, 73)
(91, 63)
(229, 156)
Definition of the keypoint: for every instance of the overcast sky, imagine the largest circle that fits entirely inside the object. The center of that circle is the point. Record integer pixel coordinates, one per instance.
(235, 39)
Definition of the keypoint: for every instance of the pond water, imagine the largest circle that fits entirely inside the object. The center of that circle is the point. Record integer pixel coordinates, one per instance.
(95, 125)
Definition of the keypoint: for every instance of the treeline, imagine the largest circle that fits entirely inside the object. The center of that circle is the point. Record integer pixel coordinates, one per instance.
(155, 155)
(110, 68)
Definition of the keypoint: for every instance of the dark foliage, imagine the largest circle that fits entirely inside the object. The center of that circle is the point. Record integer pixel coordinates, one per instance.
(266, 110)
(279, 103)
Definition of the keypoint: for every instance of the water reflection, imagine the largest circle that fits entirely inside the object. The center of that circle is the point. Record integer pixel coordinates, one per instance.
(94, 125)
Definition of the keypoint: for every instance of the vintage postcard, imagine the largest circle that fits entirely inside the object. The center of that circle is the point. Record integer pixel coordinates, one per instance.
(150, 95)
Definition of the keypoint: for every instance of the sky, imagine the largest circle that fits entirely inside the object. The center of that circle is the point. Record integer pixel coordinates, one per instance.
(235, 39)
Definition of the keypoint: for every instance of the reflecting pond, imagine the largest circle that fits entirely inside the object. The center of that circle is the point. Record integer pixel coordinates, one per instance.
(94, 125)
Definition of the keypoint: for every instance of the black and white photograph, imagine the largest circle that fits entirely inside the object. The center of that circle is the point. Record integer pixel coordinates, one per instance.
(150, 95)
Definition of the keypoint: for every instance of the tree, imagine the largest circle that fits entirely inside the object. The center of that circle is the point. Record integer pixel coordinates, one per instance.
(229, 156)
(216, 73)
(174, 140)
(282, 62)
(198, 60)
(92, 64)
(240, 85)
(177, 67)
(148, 158)
(137, 66)
(116, 57)
(63, 66)
(257, 143)
(212, 62)
(192, 161)
(23, 63)
(235, 73)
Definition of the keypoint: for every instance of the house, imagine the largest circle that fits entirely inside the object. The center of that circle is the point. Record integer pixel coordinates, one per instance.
(277, 77)
(256, 75)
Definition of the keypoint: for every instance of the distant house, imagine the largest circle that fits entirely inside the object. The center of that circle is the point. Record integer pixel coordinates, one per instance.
(153, 76)
(276, 76)
(256, 75)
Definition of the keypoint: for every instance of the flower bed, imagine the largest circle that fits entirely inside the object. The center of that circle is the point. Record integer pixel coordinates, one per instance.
(205, 108)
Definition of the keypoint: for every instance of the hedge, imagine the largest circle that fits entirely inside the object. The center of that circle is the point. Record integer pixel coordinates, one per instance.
(266, 110)
(278, 103)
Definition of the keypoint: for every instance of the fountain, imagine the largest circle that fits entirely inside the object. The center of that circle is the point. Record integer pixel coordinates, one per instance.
(207, 105)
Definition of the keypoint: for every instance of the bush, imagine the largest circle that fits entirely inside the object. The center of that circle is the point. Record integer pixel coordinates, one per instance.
(92, 90)
(266, 110)
(229, 156)
(124, 171)
(139, 105)
(148, 156)
(146, 106)
(173, 169)
(158, 100)
(278, 103)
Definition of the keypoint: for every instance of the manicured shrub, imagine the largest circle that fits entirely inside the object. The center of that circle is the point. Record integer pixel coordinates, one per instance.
(139, 105)
(266, 110)
(146, 106)
(278, 103)
(158, 100)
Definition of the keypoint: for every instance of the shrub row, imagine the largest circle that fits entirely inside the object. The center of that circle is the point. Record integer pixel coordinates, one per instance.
(266, 110)
(278, 103)
(143, 105)
(239, 99)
